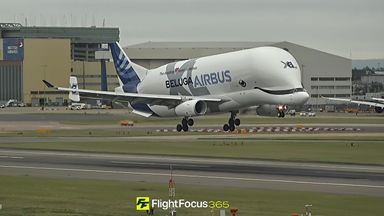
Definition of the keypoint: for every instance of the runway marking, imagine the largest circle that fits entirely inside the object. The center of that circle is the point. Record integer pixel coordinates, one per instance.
(12, 157)
(196, 176)
(157, 163)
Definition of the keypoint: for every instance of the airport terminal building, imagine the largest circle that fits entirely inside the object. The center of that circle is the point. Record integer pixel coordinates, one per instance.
(31, 54)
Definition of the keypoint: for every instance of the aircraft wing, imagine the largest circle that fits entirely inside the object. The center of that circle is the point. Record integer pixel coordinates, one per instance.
(369, 103)
(381, 100)
(150, 99)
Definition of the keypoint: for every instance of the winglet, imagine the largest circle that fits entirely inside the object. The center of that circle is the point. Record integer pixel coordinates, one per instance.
(48, 84)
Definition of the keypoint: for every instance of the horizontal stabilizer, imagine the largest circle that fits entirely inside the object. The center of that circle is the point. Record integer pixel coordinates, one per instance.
(48, 84)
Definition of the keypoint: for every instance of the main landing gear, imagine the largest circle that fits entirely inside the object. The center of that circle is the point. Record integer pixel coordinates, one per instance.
(232, 122)
(185, 124)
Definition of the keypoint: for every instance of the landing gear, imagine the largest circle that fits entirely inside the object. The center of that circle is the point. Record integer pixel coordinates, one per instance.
(281, 109)
(237, 122)
(190, 122)
(186, 122)
(232, 122)
(179, 127)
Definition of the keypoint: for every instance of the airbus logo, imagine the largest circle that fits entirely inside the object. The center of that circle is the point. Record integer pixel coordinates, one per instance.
(201, 80)
(288, 64)
(74, 87)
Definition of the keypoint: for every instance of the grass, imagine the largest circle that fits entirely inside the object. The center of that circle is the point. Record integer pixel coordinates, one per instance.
(37, 196)
(315, 148)
(123, 132)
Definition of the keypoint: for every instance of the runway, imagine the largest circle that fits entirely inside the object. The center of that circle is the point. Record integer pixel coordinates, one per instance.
(319, 177)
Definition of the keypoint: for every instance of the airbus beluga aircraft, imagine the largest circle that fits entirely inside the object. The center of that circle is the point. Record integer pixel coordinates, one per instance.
(267, 76)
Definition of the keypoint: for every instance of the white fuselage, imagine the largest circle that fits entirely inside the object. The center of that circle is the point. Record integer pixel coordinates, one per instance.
(265, 75)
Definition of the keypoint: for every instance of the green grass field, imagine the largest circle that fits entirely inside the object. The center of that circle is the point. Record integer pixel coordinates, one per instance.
(122, 132)
(37, 196)
(316, 148)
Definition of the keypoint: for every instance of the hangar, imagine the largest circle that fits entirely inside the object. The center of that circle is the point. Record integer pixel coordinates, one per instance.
(31, 54)
(323, 74)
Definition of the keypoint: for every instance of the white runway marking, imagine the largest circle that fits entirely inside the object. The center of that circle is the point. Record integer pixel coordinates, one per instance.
(197, 176)
(12, 157)
(152, 164)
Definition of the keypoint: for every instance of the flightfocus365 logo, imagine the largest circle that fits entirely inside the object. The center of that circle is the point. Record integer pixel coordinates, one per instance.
(145, 203)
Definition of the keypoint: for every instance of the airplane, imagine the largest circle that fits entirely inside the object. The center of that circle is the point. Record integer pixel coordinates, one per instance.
(229, 82)
(378, 103)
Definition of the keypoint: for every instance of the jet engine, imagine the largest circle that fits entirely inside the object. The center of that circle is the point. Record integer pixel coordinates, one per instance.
(379, 109)
(191, 108)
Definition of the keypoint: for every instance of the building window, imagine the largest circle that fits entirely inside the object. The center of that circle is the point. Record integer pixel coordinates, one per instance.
(343, 95)
(326, 79)
(326, 87)
(314, 78)
(342, 78)
(328, 95)
(314, 87)
(343, 87)
(314, 95)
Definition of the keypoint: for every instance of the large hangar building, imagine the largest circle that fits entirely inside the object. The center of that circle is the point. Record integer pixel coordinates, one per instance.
(31, 54)
(323, 74)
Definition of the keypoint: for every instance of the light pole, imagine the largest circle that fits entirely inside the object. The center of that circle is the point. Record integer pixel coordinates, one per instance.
(308, 210)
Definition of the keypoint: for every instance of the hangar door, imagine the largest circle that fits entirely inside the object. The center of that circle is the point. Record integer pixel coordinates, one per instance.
(11, 80)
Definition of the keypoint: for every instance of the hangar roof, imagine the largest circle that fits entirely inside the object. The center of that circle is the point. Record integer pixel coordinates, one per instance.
(186, 50)
(76, 34)
(205, 44)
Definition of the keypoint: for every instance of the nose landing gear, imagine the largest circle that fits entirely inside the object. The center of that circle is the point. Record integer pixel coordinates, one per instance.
(281, 109)
(186, 122)
(232, 122)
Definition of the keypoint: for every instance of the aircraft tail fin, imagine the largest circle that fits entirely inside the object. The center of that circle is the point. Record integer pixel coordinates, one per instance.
(128, 74)
(74, 95)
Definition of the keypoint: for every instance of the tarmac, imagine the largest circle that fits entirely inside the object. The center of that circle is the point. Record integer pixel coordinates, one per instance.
(292, 176)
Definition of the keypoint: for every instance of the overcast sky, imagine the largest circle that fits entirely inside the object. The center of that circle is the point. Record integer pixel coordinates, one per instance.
(350, 28)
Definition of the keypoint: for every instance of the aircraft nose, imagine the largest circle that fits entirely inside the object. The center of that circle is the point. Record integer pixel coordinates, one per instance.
(305, 97)
(301, 98)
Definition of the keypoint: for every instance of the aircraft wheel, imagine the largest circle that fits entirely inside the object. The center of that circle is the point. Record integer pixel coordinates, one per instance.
(231, 127)
(185, 128)
(226, 127)
(190, 122)
(184, 122)
(282, 114)
(237, 122)
(179, 127)
(231, 122)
